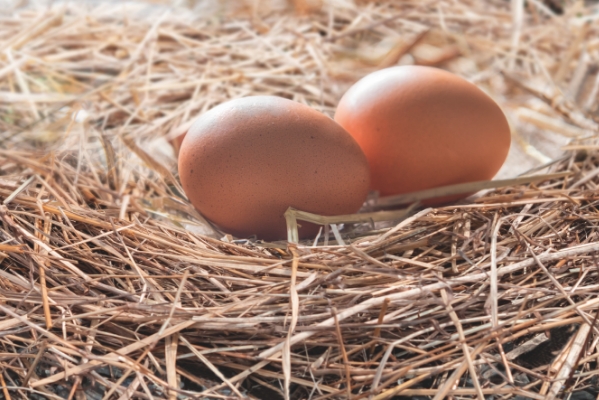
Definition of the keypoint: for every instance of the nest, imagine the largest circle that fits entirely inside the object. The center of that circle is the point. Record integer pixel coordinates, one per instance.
(113, 287)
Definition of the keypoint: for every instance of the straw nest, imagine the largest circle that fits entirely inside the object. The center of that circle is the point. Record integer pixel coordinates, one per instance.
(113, 287)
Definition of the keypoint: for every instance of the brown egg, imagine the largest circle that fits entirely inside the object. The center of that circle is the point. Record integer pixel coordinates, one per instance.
(422, 127)
(244, 162)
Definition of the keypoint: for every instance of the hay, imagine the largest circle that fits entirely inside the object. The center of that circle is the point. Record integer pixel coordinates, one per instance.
(113, 287)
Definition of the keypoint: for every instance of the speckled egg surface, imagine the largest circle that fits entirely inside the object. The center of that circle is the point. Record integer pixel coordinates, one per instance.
(422, 127)
(244, 162)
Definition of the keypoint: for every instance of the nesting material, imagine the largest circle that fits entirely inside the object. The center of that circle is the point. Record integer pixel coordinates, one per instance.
(112, 286)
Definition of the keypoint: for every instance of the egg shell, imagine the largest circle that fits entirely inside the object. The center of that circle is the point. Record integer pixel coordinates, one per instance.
(244, 162)
(422, 127)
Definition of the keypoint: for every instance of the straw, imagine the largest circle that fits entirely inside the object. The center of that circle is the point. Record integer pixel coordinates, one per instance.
(113, 286)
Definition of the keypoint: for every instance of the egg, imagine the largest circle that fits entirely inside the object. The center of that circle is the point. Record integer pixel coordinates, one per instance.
(244, 162)
(422, 128)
